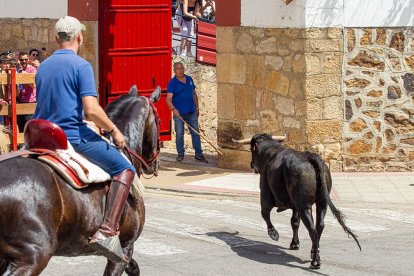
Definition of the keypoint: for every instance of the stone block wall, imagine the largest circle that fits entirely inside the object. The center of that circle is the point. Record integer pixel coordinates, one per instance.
(261, 78)
(345, 93)
(323, 94)
(378, 87)
(206, 81)
(25, 34)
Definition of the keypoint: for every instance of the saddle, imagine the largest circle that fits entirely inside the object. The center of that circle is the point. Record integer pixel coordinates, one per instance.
(47, 142)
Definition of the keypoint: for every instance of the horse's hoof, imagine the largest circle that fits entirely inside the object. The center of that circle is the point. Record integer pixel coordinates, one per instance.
(273, 234)
(315, 265)
(132, 268)
(294, 246)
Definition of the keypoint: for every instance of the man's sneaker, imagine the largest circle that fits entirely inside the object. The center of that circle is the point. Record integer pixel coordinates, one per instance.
(180, 158)
(201, 158)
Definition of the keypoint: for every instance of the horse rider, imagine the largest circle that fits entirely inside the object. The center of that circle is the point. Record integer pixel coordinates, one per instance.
(65, 92)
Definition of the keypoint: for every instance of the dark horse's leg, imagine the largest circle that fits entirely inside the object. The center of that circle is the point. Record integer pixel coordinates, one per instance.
(116, 269)
(115, 202)
(135, 224)
(295, 222)
(33, 265)
(306, 216)
(3, 266)
(31, 209)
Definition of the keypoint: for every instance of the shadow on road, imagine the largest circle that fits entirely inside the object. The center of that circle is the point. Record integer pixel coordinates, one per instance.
(165, 169)
(260, 251)
(192, 173)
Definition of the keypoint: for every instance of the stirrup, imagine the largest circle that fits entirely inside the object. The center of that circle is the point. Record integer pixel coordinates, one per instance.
(110, 248)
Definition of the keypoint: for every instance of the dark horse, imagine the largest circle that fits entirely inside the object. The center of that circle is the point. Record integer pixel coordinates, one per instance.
(42, 216)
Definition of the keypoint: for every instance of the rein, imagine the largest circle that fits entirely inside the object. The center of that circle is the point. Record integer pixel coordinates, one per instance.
(148, 163)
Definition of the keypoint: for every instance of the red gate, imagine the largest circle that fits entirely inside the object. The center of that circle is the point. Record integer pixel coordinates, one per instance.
(135, 48)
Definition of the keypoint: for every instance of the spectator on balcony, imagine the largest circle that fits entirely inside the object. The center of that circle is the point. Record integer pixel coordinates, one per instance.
(7, 54)
(3, 102)
(27, 91)
(4, 64)
(187, 11)
(34, 58)
(34, 54)
(208, 11)
(43, 54)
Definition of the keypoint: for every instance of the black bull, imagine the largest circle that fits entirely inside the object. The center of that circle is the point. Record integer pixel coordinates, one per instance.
(294, 180)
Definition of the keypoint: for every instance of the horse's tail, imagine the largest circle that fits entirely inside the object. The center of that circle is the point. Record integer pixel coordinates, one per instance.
(319, 166)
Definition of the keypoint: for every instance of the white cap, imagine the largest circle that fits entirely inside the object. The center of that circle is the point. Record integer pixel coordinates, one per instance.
(68, 27)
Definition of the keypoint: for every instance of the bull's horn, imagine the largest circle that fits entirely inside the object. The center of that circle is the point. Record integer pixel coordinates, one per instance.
(279, 138)
(242, 141)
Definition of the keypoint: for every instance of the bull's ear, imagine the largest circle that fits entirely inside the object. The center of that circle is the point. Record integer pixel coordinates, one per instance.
(254, 147)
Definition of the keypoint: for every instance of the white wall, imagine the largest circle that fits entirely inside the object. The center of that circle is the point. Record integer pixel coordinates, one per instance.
(327, 13)
(33, 8)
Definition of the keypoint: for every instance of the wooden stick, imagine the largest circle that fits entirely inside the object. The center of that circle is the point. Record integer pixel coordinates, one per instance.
(202, 136)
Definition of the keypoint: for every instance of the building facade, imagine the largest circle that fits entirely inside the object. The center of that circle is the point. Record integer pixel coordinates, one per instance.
(335, 76)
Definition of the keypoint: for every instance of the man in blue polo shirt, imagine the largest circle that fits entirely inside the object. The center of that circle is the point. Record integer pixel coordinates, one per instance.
(65, 92)
(183, 102)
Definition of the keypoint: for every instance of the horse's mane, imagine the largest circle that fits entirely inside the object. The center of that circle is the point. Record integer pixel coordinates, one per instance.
(117, 107)
(129, 113)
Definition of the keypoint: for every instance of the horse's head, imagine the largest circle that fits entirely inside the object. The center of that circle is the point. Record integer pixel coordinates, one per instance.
(137, 118)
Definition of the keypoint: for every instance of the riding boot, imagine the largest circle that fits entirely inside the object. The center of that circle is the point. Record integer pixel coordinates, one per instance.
(106, 240)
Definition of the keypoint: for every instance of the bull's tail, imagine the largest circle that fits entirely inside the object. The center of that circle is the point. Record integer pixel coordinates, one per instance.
(319, 166)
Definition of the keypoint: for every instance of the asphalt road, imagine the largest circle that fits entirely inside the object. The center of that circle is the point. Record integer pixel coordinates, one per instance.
(215, 235)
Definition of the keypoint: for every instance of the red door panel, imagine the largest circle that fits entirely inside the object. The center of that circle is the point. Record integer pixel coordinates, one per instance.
(206, 43)
(135, 48)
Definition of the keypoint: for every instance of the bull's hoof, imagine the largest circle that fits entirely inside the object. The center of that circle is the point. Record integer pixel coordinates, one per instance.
(294, 246)
(315, 265)
(273, 234)
(316, 259)
(281, 209)
(312, 254)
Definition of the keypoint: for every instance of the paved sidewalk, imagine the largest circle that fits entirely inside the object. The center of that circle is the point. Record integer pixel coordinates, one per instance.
(194, 177)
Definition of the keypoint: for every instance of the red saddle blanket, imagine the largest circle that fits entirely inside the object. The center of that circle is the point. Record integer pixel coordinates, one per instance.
(61, 166)
(90, 173)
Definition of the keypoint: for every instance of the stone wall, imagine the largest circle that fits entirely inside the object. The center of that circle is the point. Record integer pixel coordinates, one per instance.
(25, 34)
(261, 78)
(345, 93)
(205, 79)
(323, 94)
(378, 100)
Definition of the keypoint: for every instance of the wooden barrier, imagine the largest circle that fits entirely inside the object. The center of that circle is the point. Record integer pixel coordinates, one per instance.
(9, 82)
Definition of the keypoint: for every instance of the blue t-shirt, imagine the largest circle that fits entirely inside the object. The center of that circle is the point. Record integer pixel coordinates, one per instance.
(183, 94)
(61, 82)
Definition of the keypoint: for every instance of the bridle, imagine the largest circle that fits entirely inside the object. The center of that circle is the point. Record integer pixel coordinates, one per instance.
(149, 162)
